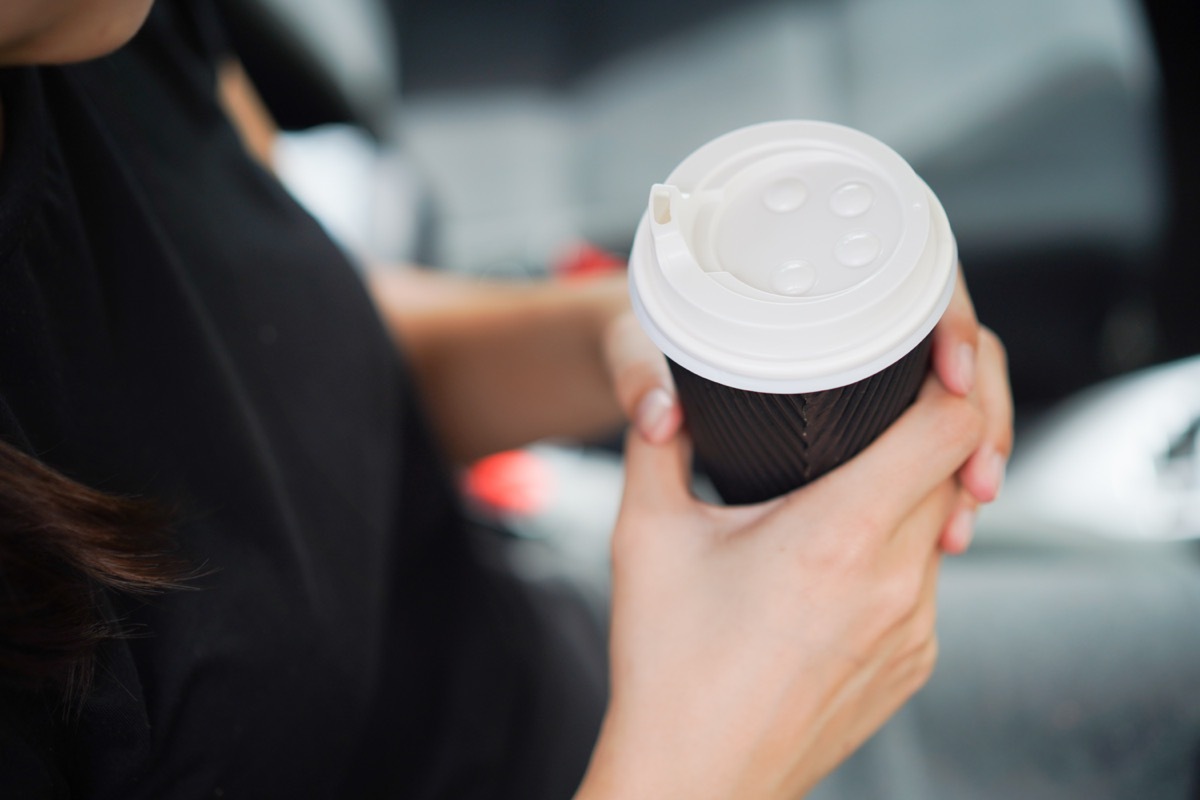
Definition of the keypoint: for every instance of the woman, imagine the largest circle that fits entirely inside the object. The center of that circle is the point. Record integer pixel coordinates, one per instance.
(174, 328)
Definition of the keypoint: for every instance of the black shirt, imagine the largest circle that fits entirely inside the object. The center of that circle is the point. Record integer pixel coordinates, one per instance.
(172, 325)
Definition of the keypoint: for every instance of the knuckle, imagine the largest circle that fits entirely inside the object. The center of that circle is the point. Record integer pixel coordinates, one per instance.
(958, 327)
(959, 423)
(920, 630)
(898, 594)
(859, 529)
(918, 665)
(870, 520)
(969, 328)
(925, 662)
(851, 550)
(633, 379)
(1003, 443)
(924, 621)
(993, 346)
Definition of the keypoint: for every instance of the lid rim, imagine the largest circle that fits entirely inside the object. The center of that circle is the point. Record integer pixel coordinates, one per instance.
(781, 344)
(788, 385)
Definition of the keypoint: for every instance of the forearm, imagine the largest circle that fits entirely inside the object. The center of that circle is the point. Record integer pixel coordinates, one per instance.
(501, 364)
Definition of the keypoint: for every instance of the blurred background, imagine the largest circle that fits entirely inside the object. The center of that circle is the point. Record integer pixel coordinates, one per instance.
(497, 139)
(519, 140)
(528, 126)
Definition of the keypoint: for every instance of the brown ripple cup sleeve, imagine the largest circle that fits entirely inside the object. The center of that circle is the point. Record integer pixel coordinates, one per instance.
(792, 274)
(754, 446)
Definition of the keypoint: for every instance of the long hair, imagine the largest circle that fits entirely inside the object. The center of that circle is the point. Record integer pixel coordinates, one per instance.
(62, 546)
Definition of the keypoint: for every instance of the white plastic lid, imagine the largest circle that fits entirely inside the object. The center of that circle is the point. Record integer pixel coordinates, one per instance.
(791, 257)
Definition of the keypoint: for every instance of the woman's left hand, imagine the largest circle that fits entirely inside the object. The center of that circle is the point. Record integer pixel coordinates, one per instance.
(641, 380)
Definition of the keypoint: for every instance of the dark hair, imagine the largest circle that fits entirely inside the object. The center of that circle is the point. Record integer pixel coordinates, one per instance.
(62, 546)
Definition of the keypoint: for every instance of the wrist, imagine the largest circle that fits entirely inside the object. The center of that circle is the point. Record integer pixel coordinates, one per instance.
(638, 758)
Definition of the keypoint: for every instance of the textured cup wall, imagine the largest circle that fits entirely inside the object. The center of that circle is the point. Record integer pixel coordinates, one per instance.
(755, 446)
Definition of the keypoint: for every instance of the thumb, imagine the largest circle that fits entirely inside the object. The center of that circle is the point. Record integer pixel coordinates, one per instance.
(641, 381)
(657, 475)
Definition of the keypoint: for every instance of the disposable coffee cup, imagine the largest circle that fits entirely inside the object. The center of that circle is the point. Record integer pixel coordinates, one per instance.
(791, 272)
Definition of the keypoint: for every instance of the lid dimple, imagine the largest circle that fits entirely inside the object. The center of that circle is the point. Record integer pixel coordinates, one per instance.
(852, 199)
(785, 195)
(857, 249)
(826, 208)
(794, 278)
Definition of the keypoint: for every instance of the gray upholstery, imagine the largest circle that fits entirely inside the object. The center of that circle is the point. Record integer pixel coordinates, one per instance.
(1034, 120)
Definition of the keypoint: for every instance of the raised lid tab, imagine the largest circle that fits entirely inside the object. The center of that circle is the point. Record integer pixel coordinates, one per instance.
(791, 256)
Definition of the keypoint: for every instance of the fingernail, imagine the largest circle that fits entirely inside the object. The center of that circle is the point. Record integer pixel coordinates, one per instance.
(960, 531)
(966, 367)
(654, 415)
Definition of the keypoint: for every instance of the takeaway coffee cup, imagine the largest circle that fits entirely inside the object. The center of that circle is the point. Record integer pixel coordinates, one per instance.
(791, 272)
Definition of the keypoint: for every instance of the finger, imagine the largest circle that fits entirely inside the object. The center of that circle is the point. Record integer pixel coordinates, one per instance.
(657, 476)
(909, 652)
(954, 342)
(959, 530)
(918, 625)
(927, 601)
(983, 474)
(927, 445)
(919, 534)
(920, 628)
(641, 380)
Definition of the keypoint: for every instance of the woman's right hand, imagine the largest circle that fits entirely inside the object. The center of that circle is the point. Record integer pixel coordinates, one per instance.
(755, 647)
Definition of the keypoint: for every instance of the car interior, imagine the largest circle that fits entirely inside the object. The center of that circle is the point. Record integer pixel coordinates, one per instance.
(499, 139)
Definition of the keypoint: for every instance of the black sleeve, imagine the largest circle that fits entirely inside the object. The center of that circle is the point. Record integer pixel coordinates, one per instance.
(204, 26)
(27, 762)
(29, 767)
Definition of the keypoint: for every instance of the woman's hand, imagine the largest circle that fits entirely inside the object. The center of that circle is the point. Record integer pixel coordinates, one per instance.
(641, 380)
(967, 358)
(754, 647)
